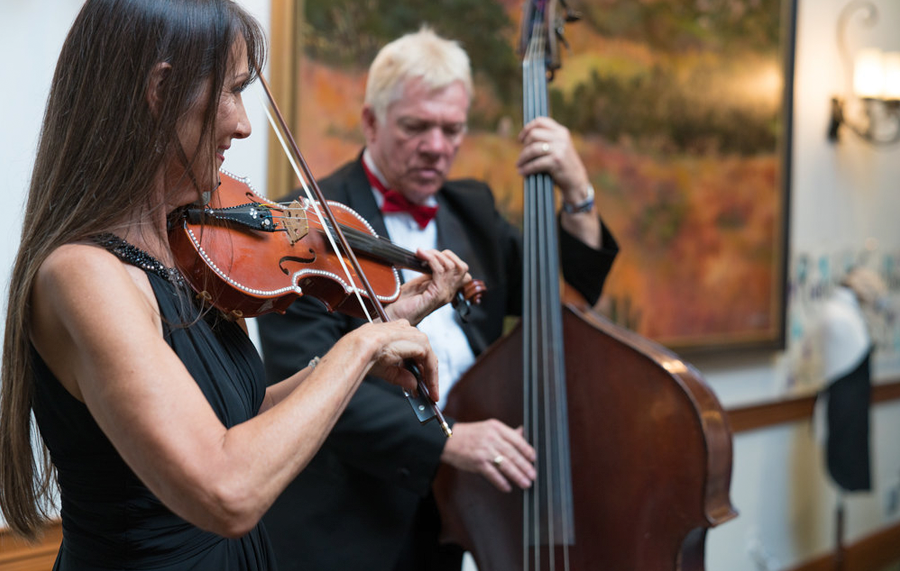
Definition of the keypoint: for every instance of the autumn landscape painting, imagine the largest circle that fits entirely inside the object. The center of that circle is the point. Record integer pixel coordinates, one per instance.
(677, 108)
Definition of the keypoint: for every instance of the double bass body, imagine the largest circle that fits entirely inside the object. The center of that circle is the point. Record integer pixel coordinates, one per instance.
(650, 451)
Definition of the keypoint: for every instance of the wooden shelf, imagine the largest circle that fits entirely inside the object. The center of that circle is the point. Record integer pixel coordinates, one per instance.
(752, 417)
(19, 555)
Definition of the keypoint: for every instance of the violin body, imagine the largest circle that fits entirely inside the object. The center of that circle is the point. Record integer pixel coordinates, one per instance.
(246, 270)
(650, 449)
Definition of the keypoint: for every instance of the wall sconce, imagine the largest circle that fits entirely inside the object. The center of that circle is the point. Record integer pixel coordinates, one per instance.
(872, 110)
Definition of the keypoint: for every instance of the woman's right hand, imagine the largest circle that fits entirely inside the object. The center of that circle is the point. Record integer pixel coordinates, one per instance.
(395, 342)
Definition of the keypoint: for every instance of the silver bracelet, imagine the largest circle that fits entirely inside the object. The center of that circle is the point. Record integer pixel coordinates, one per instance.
(583, 206)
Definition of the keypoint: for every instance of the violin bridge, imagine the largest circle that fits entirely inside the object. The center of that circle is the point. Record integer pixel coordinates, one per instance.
(295, 223)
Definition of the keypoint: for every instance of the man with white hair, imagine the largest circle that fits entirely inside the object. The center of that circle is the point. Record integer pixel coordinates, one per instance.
(364, 502)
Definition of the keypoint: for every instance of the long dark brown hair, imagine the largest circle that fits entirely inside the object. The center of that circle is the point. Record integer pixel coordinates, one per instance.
(101, 146)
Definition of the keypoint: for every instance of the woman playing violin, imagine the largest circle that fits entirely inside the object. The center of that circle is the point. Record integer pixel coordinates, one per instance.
(166, 445)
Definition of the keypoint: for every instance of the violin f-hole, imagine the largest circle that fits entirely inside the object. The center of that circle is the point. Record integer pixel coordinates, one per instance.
(298, 259)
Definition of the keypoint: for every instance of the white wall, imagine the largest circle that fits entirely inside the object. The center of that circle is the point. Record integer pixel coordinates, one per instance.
(32, 33)
(841, 195)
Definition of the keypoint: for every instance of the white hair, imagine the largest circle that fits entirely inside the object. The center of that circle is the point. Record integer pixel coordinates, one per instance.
(423, 55)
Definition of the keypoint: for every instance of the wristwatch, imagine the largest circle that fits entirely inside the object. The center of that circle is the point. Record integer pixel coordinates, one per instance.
(583, 206)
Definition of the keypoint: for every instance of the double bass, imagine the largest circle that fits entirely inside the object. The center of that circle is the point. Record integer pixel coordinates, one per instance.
(634, 450)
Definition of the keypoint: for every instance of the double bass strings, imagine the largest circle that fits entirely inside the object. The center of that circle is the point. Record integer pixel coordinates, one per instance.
(548, 506)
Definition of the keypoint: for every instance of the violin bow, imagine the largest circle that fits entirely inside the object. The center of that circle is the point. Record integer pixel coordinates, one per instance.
(422, 404)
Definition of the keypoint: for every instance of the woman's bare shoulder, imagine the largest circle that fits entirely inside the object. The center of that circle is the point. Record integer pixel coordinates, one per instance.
(80, 286)
(87, 269)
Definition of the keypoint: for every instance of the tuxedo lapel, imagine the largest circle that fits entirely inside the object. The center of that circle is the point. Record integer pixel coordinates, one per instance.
(360, 198)
(452, 235)
(356, 192)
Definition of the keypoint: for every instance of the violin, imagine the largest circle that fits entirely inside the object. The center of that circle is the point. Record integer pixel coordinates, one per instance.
(247, 256)
(252, 224)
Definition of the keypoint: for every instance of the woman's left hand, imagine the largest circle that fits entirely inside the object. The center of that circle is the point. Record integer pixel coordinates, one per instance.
(424, 294)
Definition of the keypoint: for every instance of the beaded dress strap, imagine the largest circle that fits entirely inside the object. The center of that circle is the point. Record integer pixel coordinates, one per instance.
(133, 255)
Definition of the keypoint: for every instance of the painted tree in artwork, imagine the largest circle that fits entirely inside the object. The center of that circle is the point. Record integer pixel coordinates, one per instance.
(675, 105)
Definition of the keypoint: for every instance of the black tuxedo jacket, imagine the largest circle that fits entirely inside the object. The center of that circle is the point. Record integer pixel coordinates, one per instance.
(353, 506)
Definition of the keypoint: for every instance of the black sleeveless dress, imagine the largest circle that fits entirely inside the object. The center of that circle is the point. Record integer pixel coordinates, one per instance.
(110, 520)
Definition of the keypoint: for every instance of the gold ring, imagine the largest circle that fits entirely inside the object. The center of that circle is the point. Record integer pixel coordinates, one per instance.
(498, 460)
(545, 148)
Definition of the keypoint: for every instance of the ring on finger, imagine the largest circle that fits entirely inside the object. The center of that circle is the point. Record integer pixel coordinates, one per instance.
(545, 147)
(498, 459)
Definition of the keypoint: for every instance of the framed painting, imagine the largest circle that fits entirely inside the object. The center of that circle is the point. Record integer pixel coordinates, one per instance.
(680, 109)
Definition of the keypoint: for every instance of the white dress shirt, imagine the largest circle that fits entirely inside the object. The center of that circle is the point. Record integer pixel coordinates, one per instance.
(443, 326)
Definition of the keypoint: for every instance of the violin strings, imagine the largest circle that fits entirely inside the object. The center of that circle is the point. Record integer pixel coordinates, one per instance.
(379, 246)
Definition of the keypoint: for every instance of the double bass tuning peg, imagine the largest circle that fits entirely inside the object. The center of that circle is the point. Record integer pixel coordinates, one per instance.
(572, 15)
(561, 37)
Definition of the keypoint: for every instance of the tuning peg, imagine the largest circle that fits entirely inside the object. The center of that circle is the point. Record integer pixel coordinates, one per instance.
(572, 15)
(561, 37)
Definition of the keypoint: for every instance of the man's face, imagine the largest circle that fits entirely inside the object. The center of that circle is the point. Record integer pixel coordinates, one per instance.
(415, 146)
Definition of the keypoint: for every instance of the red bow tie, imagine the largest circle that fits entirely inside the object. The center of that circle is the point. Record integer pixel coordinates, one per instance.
(396, 202)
